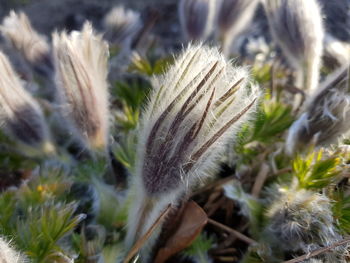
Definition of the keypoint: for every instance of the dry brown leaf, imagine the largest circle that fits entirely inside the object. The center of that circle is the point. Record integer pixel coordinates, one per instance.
(192, 222)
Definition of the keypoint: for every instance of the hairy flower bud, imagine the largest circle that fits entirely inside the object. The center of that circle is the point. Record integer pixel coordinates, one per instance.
(18, 30)
(302, 220)
(121, 25)
(327, 114)
(234, 16)
(296, 26)
(196, 18)
(81, 77)
(20, 115)
(193, 112)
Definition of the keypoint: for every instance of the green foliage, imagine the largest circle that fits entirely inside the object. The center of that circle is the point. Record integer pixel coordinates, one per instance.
(125, 151)
(346, 141)
(37, 218)
(7, 215)
(341, 210)
(39, 233)
(199, 248)
(113, 209)
(149, 67)
(272, 119)
(252, 257)
(91, 168)
(132, 95)
(262, 74)
(89, 243)
(12, 161)
(315, 172)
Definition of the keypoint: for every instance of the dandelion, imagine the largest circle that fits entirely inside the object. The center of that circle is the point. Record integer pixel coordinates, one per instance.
(327, 114)
(121, 25)
(296, 26)
(18, 30)
(81, 62)
(196, 18)
(8, 254)
(194, 110)
(301, 220)
(233, 18)
(20, 117)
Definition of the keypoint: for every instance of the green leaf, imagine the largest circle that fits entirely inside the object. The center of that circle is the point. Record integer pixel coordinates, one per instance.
(125, 151)
(199, 248)
(341, 210)
(272, 119)
(43, 227)
(149, 67)
(315, 171)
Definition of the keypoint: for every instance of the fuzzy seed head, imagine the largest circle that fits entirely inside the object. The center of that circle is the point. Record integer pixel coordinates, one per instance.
(18, 31)
(8, 254)
(327, 114)
(20, 115)
(196, 18)
(302, 220)
(296, 26)
(81, 62)
(193, 112)
(121, 25)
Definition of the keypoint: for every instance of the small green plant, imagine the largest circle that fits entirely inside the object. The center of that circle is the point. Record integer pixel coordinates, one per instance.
(316, 171)
(199, 248)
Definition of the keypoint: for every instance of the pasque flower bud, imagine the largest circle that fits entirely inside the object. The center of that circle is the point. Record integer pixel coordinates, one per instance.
(302, 220)
(81, 77)
(18, 30)
(121, 25)
(327, 113)
(234, 16)
(196, 18)
(296, 26)
(20, 115)
(194, 111)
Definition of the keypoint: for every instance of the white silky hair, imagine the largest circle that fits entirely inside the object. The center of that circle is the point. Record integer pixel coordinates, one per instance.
(194, 110)
(81, 61)
(20, 114)
(302, 220)
(121, 25)
(325, 115)
(17, 30)
(234, 17)
(297, 27)
(337, 49)
(8, 254)
(197, 18)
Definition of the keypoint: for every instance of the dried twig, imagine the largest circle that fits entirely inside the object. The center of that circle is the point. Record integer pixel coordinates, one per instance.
(239, 235)
(318, 251)
(260, 180)
(133, 251)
